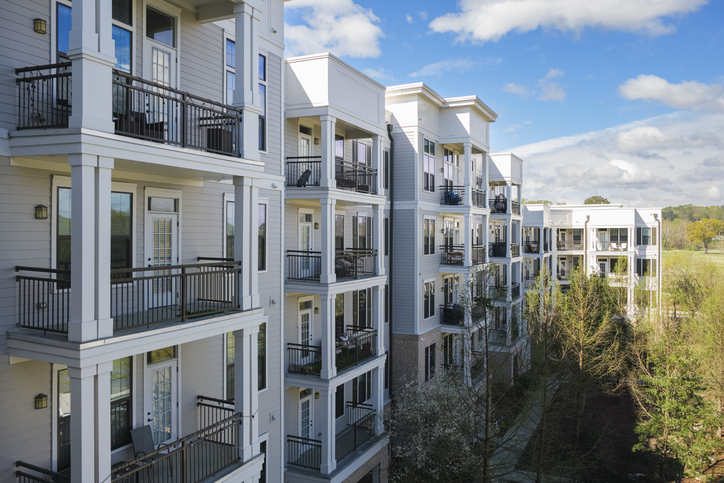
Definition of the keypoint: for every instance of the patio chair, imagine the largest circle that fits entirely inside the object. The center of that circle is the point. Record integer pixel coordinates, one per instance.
(142, 441)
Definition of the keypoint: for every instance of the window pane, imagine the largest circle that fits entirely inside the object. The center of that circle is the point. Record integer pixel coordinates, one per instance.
(261, 352)
(262, 237)
(120, 214)
(230, 86)
(339, 401)
(121, 11)
(339, 146)
(230, 358)
(230, 53)
(160, 27)
(262, 68)
(122, 38)
(161, 355)
(229, 229)
(262, 99)
(64, 26)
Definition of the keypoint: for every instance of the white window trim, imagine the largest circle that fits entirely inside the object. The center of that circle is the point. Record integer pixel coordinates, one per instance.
(229, 197)
(174, 12)
(434, 235)
(227, 36)
(424, 282)
(151, 192)
(265, 82)
(179, 388)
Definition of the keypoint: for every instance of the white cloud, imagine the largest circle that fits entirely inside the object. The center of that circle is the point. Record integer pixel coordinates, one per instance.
(423, 15)
(713, 193)
(408, 18)
(446, 66)
(484, 20)
(518, 89)
(527, 122)
(380, 74)
(618, 171)
(687, 95)
(553, 73)
(513, 127)
(341, 27)
(552, 92)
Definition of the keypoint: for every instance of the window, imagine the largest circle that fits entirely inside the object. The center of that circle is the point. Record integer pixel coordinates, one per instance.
(160, 27)
(645, 267)
(339, 232)
(386, 170)
(121, 379)
(229, 229)
(447, 351)
(339, 401)
(338, 146)
(387, 236)
(576, 236)
(362, 308)
(261, 356)
(262, 473)
(428, 236)
(362, 387)
(64, 25)
(63, 420)
(262, 103)
(362, 232)
(430, 361)
(448, 167)
(261, 233)
(428, 165)
(429, 299)
(387, 303)
(230, 70)
(646, 236)
(230, 358)
(338, 315)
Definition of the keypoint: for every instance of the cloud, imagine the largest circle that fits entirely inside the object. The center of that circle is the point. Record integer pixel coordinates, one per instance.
(687, 95)
(380, 74)
(551, 91)
(527, 122)
(408, 18)
(513, 127)
(341, 27)
(521, 90)
(484, 20)
(445, 67)
(553, 73)
(666, 160)
(423, 15)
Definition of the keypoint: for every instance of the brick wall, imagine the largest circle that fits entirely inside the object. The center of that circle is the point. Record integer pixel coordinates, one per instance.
(381, 458)
(408, 356)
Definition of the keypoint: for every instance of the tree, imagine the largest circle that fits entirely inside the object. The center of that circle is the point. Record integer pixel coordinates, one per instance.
(704, 231)
(596, 200)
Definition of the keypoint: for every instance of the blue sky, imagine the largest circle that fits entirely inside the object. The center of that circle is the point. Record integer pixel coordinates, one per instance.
(621, 98)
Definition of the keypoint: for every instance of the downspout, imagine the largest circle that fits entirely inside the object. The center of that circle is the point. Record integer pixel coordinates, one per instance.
(391, 171)
(659, 262)
(585, 244)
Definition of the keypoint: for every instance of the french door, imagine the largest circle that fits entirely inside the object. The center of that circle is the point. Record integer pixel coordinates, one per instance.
(161, 250)
(160, 400)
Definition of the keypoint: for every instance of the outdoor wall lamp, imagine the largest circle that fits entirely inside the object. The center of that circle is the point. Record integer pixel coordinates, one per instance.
(41, 212)
(41, 401)
(316, 310)
(39, 25)
(316, 225)
(316, 141)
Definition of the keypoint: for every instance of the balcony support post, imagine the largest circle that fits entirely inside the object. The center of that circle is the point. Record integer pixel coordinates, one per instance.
(377, 157)
(328, 151)
(327, 223)
(103, 420)
(467, 250)
(246, 240)
(378, 392)
(246, 390)
(378, 320)
(468, 166)
(379, 238)
(329, 460)
(329, 367)
(90, 251)
(246, 94)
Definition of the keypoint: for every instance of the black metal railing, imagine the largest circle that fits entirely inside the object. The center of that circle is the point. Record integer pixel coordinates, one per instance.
(498, 249)
(499, 204)
(27, 473)
(515, 290)
(563, 274)
(478, 312)
(452, 314)
(304, 171)
(213, 410)
(452, 254)
(564, 245)
(304, 265)
(360, 429)
(355, 177)
(477, 253)
(44, 96)
(304, 358)
(514, 330)
(355, 346)
(43, 301)
(514, 249)
(191, 459)
(452, 195)
(353, 263)
(148, 110)
(532, 247)
(478, 198)
(304, 452)
(515, 207)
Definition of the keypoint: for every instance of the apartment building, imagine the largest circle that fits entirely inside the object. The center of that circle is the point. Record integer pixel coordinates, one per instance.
(141, 288)
(336, 239)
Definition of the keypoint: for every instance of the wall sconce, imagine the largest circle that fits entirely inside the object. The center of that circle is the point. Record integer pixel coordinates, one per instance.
(316, 395)
(442, 230)
(39, 25)
(274, 30)
(41, 401)
(316, 310)
(316, 141)
(41, 212)
(316, 225)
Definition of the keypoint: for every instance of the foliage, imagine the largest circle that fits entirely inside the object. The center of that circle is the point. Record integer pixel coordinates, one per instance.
(704, 231)
(673, 233)
(596, 200)
(691, 213)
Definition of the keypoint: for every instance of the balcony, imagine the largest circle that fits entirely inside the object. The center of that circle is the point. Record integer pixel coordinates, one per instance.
(452, 195)
(140, 297)
(478, 198)
(304, 359)
(477, 253)
(360, 428)
(498, 205)
(498, 249)
(452, 254)
(564, 274)
(352, 348)
(514, 250)
(303, 171)
(532, 247)
(141, 109)
(566, 245)
(606, 246)
(349, 264)
(515, 290)
(515, 207)
(356, 177)
(452, 314)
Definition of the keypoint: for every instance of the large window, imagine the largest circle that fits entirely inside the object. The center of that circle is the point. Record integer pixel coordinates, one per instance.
(645, 236)
(448, 168)
(362, 387)
(338, 315)
(339, 401)
(261, 356)
(362, 308)
(447, 351)
(428, 165)
(428, 236)
(646, 267)
(230, 70)
(229, 229)
(230, 358)
(262, 103)
(430, 362)
(262, 237)
(429, 299)
(362, 232)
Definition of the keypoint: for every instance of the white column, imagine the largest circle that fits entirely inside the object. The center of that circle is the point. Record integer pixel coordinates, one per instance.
(379, 238)
(91, 50)
(246, 385)
(486, 235)
(378, 392)
(378, 320)
(83, 424)
(328, 151)
(246, 240)
(329, 461)
(468, 227)
(467, 166)
(377, 157)
(327, 223)
(103, 246)
(508, 195)
(246, 95)
(103, 421)
(329, 366)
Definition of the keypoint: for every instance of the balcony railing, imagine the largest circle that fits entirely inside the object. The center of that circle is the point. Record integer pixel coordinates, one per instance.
(478, 312)
(303, 171)
(27, 473)
(355, 346)
(140, 297)
(360, 429)
(514, 250)
(499, 204)
(452, 195)
(304, 265)
(355, 177)
(304, 359)
(515, 290)
(452, 254)
(479, 198)
(477, 253)
(515, 207)
(304, 452)
(191, 459)
(354, 263)
(532, 247)
(498, 249)
(44, 96)
(213, 411)
(563, 274)
(146, 110)
(606, 246)
(564, 245)
(452, 314)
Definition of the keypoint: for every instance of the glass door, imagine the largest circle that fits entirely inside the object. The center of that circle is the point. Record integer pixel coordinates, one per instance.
(160, 400)
(161, 243)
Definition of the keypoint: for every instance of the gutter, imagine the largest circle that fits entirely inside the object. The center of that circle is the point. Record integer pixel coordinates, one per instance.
(392, 249)
(585, 243)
